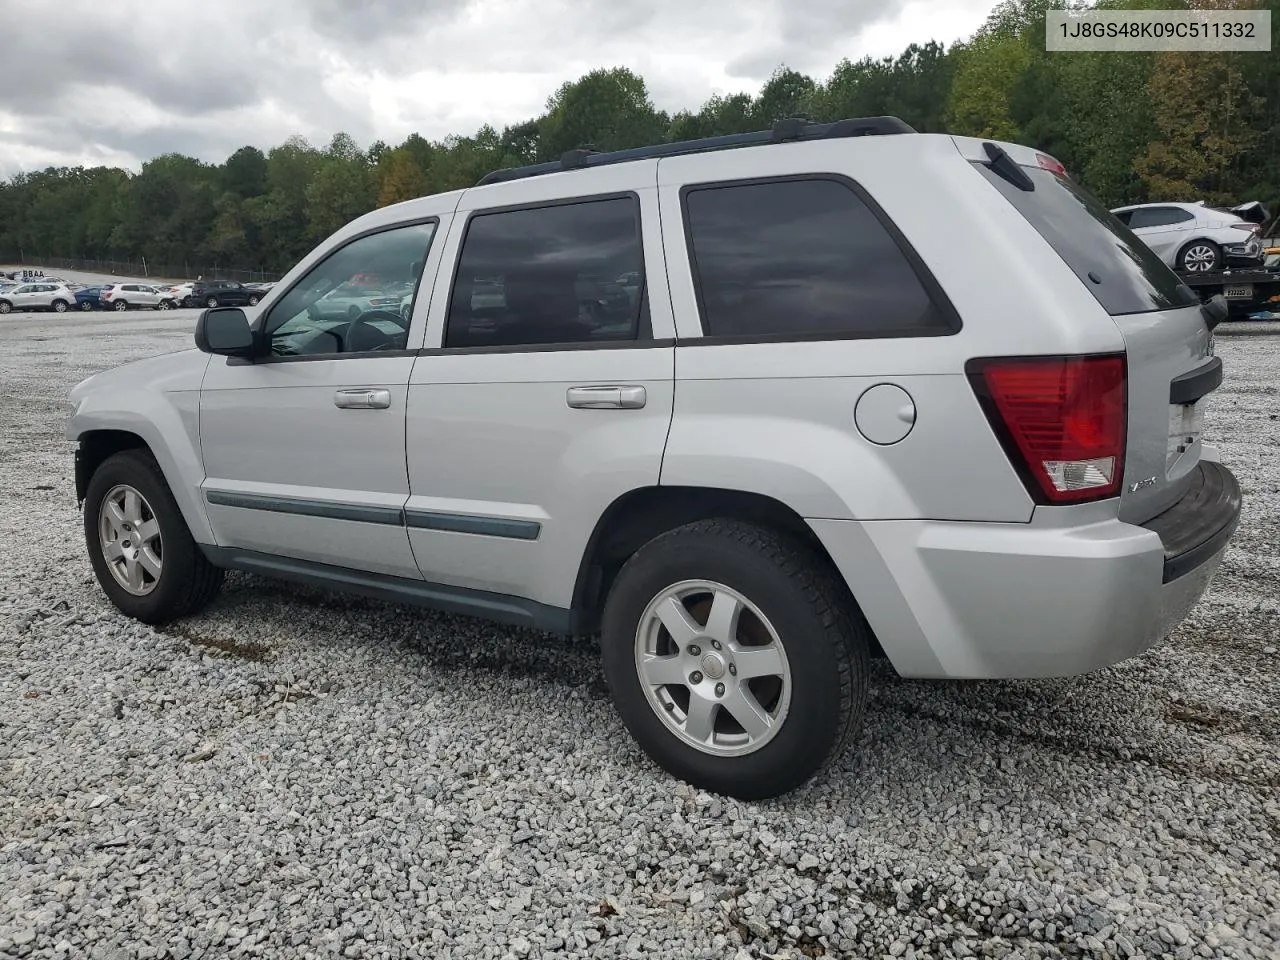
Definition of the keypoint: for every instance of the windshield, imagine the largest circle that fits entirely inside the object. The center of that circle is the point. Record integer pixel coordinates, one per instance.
(1119, 269)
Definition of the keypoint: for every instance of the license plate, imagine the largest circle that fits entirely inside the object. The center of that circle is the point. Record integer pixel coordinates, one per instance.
(1186, 420)
(1238, 291)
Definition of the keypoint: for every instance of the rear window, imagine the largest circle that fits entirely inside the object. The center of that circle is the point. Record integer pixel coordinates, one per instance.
(1118, 268)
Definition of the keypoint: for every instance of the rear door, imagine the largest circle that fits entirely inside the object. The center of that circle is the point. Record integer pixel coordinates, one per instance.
(549, 393)
(1163, 229)
(1170, 369)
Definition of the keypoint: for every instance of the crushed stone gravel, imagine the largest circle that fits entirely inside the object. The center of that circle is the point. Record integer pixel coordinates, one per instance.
(294, 773)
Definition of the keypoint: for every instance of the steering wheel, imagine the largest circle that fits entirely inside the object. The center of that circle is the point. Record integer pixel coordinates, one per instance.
(362, 327)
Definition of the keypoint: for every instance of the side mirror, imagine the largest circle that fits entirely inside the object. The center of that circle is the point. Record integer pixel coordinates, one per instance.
(225, 331)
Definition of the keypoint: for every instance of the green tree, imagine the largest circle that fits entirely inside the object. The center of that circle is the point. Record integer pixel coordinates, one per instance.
(608, 109)
(400, 178)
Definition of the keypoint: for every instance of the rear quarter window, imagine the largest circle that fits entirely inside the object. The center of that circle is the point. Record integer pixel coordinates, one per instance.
(1121, 271)
(804, 258)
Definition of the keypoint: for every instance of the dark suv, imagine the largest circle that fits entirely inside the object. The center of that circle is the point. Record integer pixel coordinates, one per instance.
(220, 293)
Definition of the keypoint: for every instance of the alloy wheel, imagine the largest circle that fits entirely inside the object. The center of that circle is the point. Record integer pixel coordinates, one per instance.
(129, 535)
(713, 668)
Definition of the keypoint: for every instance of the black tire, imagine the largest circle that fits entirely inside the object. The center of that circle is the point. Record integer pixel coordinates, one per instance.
(59, 306)
(1200, 256)
(5, 306)
(86, 306)
(121, 305)
(824, 636)
(253, 301)
(211, 302)
(188, 581)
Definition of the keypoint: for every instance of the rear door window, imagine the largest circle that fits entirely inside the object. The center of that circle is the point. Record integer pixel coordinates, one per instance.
(560, 274)
(1158, 217)
(1118, 268)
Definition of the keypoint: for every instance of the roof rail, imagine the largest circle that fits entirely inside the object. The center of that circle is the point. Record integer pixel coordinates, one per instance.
(786, 130)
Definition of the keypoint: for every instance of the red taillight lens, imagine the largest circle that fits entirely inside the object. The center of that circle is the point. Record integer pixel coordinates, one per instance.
(1061, 420)
(1049, 163)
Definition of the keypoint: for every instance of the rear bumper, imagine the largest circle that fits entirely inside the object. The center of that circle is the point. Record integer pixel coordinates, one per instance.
(1006, 600)
(1198, 526)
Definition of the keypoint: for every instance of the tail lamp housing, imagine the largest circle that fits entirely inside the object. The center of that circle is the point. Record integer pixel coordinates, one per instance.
(1062, 421)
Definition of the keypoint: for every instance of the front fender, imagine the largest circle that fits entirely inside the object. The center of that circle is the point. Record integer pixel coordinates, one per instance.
(161, 406)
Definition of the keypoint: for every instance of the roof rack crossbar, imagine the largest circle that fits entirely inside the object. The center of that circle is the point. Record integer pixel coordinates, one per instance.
(789, 129)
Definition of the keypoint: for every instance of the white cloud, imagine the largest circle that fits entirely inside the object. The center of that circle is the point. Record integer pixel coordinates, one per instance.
(169, 75)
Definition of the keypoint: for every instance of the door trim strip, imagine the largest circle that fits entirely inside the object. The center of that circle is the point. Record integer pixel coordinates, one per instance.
(390, 516)
(361, 513)
(465, 523)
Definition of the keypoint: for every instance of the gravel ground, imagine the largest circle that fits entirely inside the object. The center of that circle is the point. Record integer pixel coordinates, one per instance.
(298, 774)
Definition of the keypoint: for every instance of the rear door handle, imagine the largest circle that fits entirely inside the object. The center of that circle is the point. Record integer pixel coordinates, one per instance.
(607, 397)
(362, 399)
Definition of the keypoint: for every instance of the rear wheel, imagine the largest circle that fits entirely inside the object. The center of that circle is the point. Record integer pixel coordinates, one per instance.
(60, 306)
(5, 306)
(86, 306)
(1200, 256)
(734, 658)
(122, 305)
(253, 301)
(141, 550)
(211, 302)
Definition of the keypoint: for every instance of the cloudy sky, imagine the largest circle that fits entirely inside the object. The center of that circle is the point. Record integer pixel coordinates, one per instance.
(118, 81)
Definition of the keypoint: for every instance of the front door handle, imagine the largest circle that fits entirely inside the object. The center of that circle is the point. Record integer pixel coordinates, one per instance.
(607, 397)
(369, 399)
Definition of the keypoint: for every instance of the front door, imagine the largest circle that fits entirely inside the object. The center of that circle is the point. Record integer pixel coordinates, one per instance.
(304, 449)
(550, 394)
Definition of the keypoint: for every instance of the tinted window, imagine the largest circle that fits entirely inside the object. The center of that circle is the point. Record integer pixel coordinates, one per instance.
(800, 257)
(570, 273)
(1158, 217)
(1118, 268)
(358, 299)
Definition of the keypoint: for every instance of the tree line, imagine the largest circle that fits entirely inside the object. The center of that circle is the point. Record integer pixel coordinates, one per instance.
(1133, 127)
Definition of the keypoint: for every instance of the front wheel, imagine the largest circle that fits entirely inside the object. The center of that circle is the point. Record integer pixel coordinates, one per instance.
(735, 657)
(121, 305)
(165, 305)
(60, 306)
(1200, 256)
(139, 546)
(211, 302)
(5, 306)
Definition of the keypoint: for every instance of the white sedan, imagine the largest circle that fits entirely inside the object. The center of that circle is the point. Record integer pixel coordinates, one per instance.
(38, 296)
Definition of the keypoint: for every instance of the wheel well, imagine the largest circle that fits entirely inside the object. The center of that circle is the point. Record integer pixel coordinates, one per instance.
(637, 517)
(95, 447)
(1194, 240)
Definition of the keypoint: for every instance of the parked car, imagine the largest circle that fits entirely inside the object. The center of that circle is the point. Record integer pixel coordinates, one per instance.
(1198, 238)
(127, 296)
(37, 296)
(820, 435)
(88, 298)
(220, 293)
(356, 297)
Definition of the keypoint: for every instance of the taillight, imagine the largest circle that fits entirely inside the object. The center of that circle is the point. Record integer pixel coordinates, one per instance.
(1253, 228)
(1047, 162)
(1061, 420)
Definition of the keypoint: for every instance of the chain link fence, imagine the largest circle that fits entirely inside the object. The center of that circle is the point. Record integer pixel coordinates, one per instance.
(142, 270)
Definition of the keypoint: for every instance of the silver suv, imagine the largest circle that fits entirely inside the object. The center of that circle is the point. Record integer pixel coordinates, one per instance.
(743, 407)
